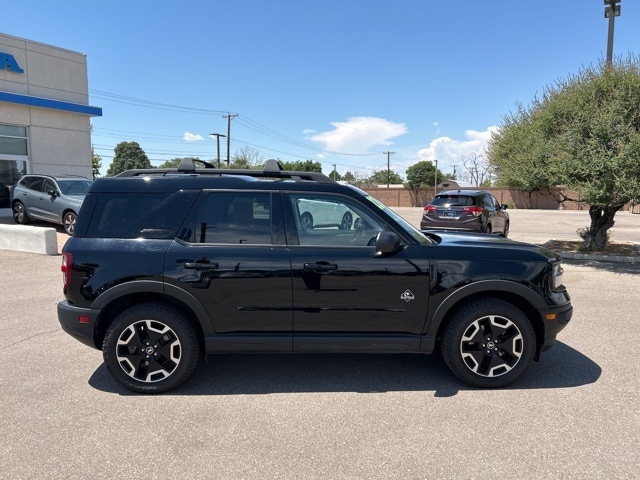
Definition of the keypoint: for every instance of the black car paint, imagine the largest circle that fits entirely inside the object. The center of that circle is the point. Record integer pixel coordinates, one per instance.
(286, 297)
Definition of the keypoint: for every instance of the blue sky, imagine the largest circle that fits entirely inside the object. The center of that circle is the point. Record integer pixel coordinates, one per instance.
(339, 82)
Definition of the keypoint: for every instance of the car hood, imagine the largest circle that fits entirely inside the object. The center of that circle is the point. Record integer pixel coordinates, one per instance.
(466, 245)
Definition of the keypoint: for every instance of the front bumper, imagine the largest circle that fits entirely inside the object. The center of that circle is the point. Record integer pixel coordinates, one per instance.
(78, 322)
(555, 319)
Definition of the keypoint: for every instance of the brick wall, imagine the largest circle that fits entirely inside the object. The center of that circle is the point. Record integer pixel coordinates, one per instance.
(401, 197)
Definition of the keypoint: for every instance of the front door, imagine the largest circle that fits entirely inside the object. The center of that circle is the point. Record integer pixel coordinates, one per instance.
(340, 287)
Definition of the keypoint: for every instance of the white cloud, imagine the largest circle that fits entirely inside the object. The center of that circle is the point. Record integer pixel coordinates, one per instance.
(449, 151)
(192, 137)
(359, 134)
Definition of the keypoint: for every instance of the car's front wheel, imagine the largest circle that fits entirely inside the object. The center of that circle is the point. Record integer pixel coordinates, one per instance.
(20, 213)
(69, 222)
(488, 343)
(151, 348)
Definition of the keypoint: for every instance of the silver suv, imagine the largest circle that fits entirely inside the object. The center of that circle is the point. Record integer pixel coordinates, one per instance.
(50, 198)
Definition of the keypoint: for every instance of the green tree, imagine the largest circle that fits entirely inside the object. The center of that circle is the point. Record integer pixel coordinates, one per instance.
(302, 166)
(421, 175)
(583, 133)
(96, 164)
(128, 155)
(173, 163)
(382, 177)
(349, 177)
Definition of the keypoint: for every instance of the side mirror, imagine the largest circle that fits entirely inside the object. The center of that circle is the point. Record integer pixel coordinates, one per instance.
(53, 193)
(504, 206)
(387, 244)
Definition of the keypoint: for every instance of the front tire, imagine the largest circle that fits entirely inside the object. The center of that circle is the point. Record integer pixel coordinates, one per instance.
(151, 348)
(488, 343)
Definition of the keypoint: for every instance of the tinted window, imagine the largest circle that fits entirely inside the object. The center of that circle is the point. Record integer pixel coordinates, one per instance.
(234, 217)
(327, 220)
(453, 201)
(139, 215)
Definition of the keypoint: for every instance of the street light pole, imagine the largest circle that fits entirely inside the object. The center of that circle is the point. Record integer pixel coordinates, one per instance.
(435, 184)
(218, 135)
(611, 11)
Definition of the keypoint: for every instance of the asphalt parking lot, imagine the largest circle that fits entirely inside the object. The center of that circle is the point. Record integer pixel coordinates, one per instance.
(576, 414)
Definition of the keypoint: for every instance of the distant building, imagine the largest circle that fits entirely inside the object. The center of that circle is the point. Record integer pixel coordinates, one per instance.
(455, 185)
(44, 110)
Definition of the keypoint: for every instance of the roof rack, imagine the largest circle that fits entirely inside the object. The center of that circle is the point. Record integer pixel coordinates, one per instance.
(272, 169)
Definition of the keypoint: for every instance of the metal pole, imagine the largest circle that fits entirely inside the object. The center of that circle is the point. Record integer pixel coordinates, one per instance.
(435, 184)
(218, 135)
(611, 11)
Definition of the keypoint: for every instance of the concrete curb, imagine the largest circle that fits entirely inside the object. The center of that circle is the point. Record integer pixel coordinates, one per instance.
(601, 258)
(24, 238)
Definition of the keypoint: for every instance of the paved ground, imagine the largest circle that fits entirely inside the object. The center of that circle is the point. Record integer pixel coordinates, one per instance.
(576, 414)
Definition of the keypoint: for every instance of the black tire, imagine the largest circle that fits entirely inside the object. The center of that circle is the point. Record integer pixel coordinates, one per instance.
(487, 229)
(488, 343)
(69, 222)
(306, 221)
(347, 221)
(19, 213)
(505, 234)
(151, 348)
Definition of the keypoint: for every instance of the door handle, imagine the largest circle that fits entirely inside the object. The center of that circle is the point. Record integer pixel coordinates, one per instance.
(320, 266)
(201, 265)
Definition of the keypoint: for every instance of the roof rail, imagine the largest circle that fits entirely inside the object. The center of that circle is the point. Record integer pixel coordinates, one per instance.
(272, 169)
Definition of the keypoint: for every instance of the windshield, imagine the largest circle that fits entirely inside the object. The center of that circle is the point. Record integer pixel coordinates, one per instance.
(417, 235)
(78, 186)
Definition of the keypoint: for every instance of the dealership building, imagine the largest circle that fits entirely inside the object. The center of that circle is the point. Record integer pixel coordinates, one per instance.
(44, 111)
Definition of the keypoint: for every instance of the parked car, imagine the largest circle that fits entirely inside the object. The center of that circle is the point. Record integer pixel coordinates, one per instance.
(168, 265)
(321, 214)
(471, 210)
(5, 196)
(50, 198)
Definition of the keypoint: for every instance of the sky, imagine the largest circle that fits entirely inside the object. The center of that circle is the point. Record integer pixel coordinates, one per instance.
(357, 85)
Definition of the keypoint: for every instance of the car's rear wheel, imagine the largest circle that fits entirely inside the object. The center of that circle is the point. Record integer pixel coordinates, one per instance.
(347, 221)
(151, 348)
(20, 213)
(488, 343)
(506, 230)
(69, 222)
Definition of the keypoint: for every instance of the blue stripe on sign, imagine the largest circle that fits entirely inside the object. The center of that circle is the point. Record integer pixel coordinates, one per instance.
(48, 103)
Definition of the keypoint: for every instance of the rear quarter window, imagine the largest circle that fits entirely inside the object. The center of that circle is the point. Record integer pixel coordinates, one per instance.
(138, 215)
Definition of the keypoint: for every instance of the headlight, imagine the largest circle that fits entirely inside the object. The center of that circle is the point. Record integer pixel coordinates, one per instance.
(556, 276)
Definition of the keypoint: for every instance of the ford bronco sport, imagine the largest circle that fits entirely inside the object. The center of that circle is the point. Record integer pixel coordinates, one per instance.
(167, 265)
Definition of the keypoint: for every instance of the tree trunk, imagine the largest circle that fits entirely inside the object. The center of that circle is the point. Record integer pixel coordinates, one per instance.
(601, 222)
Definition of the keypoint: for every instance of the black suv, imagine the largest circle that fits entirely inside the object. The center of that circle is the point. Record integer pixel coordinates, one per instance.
(168, 264)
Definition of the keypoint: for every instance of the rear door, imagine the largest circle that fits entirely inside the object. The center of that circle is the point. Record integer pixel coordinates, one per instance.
(234, 262)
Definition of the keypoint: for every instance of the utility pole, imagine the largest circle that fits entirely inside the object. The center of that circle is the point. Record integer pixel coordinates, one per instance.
(334, 171)
(218, 135)
(229, 117)
(611, 11)
(388, 154)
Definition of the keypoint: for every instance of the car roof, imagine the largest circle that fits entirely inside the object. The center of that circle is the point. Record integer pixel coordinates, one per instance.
(62, 176)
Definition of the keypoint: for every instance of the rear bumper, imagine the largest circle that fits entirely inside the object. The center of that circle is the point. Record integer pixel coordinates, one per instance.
(78, 322)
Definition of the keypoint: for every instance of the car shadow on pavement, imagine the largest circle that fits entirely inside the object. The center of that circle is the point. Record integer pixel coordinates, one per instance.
(257, 374)
(613, 267)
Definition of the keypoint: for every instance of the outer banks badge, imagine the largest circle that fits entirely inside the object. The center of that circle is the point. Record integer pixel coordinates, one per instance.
(407, 296)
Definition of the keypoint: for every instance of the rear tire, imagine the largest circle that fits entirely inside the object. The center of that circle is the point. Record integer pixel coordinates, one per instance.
(151, 348)
(488, 343)
(20, 213)
(69, 222)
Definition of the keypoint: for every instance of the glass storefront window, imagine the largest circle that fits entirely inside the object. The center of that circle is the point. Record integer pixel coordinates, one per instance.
(13, 140)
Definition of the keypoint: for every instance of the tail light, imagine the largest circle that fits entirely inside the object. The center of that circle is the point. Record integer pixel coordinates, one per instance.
(430, 208)
(476, 211)
(66, 268)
